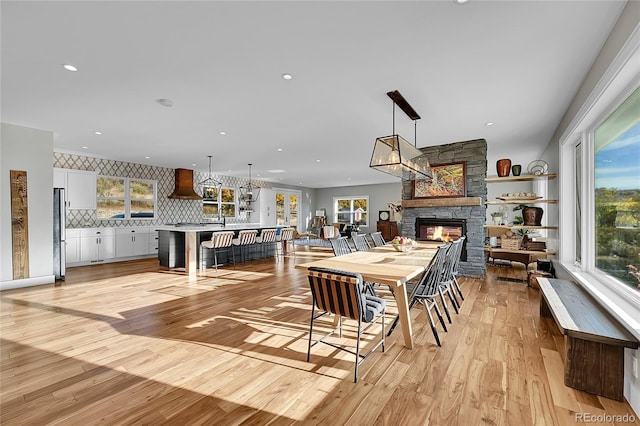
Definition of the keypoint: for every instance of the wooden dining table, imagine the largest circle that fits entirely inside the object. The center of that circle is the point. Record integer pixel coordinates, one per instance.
(385, 265)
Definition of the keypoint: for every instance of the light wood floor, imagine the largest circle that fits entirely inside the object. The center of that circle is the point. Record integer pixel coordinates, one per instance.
(131, 343)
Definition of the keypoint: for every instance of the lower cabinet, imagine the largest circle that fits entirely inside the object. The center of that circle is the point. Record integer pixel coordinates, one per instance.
(132, 241)
(93, 245)
(97, 244)
(388, 228)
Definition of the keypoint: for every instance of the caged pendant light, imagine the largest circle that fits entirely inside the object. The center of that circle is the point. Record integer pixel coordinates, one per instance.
(394, 155)
(249, 192)
(210, 186)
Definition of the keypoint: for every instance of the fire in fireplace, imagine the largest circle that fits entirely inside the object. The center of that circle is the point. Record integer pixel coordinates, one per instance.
(445, 230)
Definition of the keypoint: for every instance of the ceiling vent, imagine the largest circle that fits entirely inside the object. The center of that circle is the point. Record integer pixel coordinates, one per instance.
(184, 186)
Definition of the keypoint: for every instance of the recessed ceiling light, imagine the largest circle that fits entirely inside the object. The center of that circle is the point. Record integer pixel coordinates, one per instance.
(97, 133)
(165, 102)
(461, 1)
(490, 123)
(69, 67)
(280, 150)
(276, 171)
(193, 164)
(147, 157)
(85, 147)
(223, 133)
(299, 183)
(287, 76)
(317, 161)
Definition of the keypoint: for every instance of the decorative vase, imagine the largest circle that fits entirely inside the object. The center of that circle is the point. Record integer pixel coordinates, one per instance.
(516, 169)
(532, 216)
(503, 167)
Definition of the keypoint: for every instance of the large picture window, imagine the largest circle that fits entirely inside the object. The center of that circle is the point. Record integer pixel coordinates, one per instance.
(616, 167)
(125, 198)
(351, 210)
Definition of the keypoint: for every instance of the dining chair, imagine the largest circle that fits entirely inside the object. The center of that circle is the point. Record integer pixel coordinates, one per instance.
(219, 242)
(456, 264)
(246, 240)
(378, 239)
(427, 290)
(360, 242)
(267, 241)
(447, 281)
(340, 246)
(342, 293)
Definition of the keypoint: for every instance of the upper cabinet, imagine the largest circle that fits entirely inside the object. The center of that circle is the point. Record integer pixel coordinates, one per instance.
(79, 185)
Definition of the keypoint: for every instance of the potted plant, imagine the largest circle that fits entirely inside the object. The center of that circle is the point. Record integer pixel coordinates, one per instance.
(497, 217)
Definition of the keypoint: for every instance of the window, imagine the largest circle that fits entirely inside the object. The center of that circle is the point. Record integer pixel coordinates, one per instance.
(616, 166)
(351, 210)
(125, 198)
(228, 202)
(215, 204)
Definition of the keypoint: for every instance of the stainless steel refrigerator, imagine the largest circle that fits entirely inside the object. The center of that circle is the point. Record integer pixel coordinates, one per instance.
(59, 233)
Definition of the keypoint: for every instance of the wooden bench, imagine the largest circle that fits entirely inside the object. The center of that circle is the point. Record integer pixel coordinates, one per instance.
(594, 340)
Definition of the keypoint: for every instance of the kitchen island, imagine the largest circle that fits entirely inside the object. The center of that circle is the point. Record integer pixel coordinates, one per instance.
(179, 244)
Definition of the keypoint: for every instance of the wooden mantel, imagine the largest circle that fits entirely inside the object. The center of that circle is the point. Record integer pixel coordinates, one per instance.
(442, 202)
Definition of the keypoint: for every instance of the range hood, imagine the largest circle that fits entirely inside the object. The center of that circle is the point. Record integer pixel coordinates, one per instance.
(184, 186)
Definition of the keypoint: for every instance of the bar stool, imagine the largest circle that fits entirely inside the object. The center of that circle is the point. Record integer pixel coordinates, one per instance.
(267, 239)
(246, 240)
(286, 235)
(219, 242)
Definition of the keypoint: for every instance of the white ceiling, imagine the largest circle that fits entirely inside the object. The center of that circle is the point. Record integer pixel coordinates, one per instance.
(517, 64)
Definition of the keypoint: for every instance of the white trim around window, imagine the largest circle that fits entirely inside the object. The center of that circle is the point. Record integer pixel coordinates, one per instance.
(616, 85)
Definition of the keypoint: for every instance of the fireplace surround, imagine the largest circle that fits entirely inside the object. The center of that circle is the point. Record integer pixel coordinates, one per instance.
(474, 153)
(444, 230)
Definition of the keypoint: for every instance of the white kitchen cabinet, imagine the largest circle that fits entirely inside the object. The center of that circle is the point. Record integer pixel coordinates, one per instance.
(153, 242)
(73, 246)
(132, 241)
(97, 244)
(267, 207)
(79, 185)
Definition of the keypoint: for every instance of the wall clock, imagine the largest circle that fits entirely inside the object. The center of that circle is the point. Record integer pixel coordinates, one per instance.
(383, 215)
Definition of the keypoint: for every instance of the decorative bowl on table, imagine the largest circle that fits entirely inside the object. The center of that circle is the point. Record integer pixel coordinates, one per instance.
(403, 244)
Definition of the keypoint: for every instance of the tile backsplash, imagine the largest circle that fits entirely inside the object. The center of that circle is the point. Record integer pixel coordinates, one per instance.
(167, 210)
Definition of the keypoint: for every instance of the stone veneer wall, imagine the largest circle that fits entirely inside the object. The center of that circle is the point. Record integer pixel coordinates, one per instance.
(168, 210)
(474, 152)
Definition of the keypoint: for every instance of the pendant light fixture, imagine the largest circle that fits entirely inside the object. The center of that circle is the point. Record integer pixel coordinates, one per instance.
(394, 155)
(210, 186)
(249, 192)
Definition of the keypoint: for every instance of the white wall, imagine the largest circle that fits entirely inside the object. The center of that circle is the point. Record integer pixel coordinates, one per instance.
(620, 34)
(379, 196)
(31, 150)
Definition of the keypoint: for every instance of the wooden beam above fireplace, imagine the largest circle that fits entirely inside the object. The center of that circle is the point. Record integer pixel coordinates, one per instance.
(442, 202)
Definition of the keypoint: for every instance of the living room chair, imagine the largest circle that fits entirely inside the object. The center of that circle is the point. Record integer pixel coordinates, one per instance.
(342, 293)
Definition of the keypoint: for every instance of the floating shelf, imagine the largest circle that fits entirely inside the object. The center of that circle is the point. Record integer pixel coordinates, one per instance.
(509, 227)
(496, 202)
(520, 178)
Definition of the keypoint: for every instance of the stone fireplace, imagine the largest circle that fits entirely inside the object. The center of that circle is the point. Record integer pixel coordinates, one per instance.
(469, 210)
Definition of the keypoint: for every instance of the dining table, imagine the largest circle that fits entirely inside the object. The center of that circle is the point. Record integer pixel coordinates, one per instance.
(388, 266)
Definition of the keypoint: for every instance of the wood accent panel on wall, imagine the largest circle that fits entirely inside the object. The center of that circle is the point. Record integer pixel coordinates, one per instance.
(19, 224)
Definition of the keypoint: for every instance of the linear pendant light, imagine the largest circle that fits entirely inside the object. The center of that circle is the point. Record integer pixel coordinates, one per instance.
(394, 155)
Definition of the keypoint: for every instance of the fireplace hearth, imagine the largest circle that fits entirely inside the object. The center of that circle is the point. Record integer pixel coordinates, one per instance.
(445, 230)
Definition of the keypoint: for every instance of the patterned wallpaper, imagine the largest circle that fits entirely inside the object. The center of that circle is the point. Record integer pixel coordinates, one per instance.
(168, 210)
